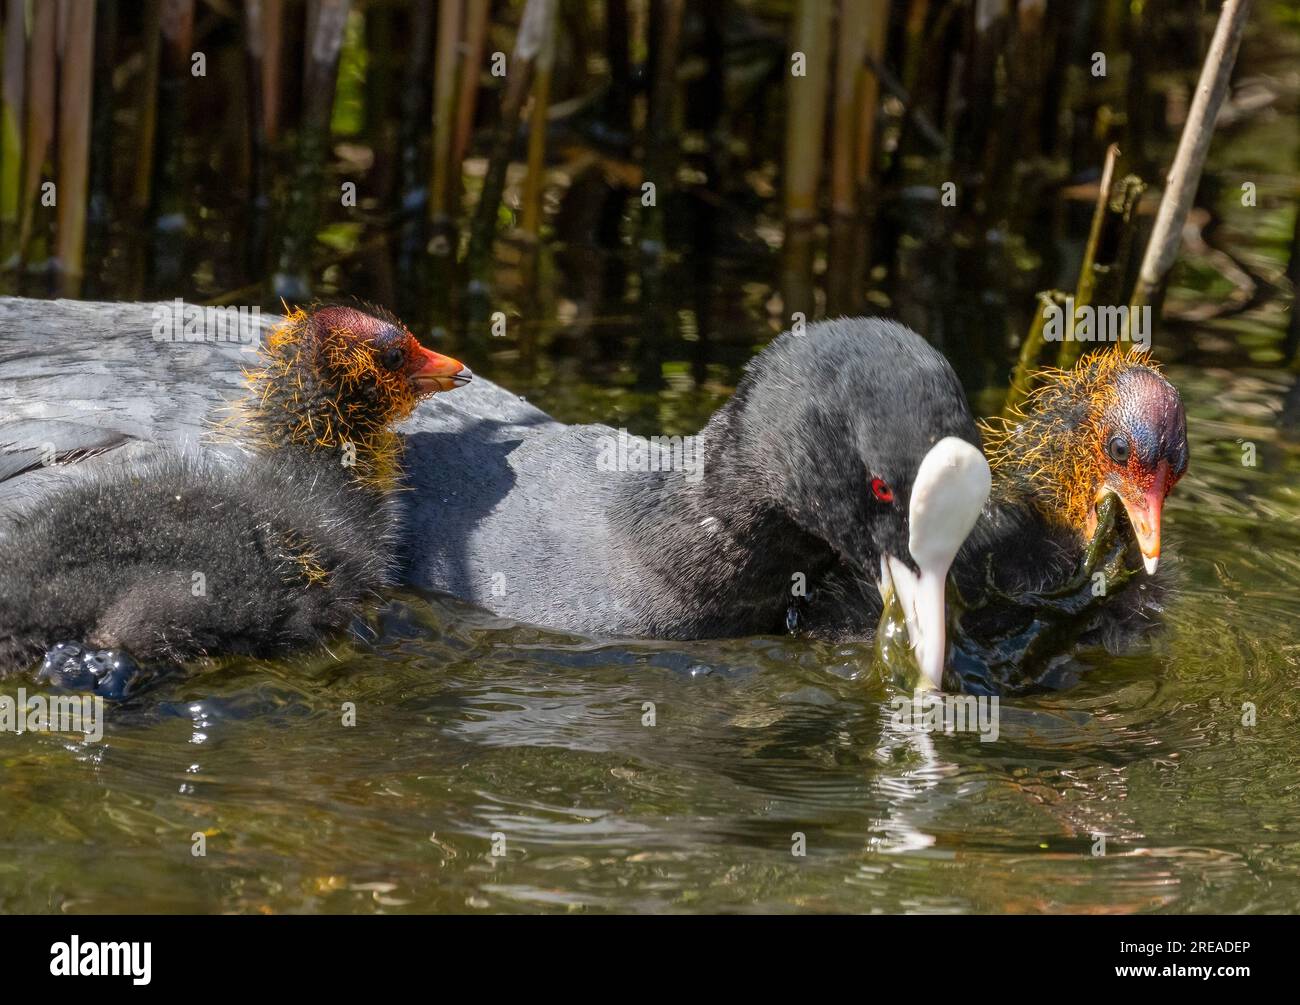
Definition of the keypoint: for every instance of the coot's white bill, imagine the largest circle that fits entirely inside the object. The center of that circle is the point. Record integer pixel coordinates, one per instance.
(951, 486)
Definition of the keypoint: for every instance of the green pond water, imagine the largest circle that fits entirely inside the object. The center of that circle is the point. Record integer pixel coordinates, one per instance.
(469, 728)
(503, 768)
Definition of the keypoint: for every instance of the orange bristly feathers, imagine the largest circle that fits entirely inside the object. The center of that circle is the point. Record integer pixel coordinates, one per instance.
(1052, 447)
(335, 397)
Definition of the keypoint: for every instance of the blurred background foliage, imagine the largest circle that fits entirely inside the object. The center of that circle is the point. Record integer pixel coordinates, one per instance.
(452, 159)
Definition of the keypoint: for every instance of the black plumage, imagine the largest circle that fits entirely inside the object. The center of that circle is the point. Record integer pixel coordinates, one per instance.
(194, 553)
(512, 510)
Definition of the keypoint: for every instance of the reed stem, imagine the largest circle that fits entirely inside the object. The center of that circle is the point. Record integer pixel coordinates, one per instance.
(1031, 352)
(528, 46)
(806, 109)
(442, 185)
(476, 24)
(75, 98)
(533, 183)
(11, 125)
(1185, 173)
(39, 139)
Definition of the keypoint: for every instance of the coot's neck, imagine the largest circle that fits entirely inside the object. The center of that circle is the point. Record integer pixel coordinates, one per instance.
(1016, 544)
(289, 409)
(712, 529)
(1026, 538)
(1046, 456)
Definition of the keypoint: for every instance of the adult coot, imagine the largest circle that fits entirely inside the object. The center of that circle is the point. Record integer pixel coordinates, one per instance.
(847, 454)
(186, 556)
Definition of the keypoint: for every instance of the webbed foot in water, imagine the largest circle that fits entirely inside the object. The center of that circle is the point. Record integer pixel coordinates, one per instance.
(110, 673)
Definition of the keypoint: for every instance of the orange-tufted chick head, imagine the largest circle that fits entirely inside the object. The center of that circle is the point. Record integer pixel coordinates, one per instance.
(339, 377)
(1112, 425)
(1142, 445)
(373, 360)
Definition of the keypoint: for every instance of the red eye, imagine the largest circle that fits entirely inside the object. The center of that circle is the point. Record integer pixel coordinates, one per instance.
(881, 490)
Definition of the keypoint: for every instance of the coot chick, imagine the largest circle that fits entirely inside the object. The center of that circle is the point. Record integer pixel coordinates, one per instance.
(185, 556)
(847, 453)
(1111, 428)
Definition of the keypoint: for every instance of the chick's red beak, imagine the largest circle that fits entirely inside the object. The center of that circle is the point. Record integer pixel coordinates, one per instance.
(435, 372)
(1144, 504)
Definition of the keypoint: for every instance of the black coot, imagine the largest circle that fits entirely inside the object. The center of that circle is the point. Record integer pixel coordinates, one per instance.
(848, 444)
